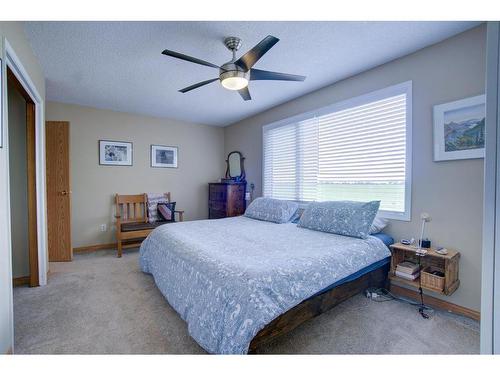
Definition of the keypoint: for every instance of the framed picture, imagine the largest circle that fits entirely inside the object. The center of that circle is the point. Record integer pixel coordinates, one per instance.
(459, 129)
(163, 156)
(115, 153)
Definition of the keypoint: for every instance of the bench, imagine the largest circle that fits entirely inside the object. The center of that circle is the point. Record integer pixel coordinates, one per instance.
(132, 219)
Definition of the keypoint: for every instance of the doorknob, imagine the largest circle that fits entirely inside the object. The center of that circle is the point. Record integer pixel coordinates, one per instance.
(65, 192)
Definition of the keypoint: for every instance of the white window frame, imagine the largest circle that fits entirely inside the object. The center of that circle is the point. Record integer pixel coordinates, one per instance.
(398, 89)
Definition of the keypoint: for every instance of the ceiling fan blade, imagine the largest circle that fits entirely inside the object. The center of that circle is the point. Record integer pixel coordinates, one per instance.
(265, 75)
(251, 57)
(199, 84)
(245, 94)
(188, 58)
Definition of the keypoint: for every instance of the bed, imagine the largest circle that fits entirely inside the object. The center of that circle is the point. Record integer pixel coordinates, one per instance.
(240, 282)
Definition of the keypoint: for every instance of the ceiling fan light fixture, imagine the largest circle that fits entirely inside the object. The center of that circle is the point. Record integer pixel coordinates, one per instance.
(235, 74)
(234, 80)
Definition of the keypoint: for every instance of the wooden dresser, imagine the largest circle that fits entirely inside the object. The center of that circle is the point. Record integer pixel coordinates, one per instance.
(226, 199)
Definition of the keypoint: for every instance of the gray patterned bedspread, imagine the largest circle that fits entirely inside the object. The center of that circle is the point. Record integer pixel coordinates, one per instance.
(228, 278)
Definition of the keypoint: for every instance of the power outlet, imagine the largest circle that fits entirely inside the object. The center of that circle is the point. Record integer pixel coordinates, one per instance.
(104, 228)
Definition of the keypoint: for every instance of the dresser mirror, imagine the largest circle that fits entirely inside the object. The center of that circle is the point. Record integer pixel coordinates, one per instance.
(235, 169)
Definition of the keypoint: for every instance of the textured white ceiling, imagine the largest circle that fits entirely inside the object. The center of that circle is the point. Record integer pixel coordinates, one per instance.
(119, 65)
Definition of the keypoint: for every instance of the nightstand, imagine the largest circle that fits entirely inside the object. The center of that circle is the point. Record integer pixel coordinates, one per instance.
(449, 264)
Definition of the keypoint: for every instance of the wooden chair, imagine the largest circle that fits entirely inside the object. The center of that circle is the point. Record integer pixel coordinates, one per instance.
(132, 219)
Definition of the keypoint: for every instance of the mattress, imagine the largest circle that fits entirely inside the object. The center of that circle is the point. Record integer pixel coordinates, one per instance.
(388, 241)
(385, 238)
(229, 278)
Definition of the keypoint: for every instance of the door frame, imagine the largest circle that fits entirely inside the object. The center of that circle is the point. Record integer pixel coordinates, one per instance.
(13, 62)
(490, 275)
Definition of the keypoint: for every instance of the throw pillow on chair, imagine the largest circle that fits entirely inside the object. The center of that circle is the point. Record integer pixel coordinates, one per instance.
(166, 211)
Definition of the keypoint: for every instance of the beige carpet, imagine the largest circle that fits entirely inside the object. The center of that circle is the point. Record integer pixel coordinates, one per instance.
(101, 304)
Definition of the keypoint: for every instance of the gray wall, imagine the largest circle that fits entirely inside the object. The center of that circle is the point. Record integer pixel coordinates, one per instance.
(18, 183)
(451, 191)
(200, 160)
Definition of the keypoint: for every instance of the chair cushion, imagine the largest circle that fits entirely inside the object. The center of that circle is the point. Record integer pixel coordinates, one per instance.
(130, 227)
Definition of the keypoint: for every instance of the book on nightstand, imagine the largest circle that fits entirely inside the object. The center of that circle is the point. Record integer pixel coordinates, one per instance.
(408, 267)
(408, 270)
(407, 276)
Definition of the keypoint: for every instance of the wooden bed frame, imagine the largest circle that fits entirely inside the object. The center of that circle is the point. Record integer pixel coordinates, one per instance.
(317, 305)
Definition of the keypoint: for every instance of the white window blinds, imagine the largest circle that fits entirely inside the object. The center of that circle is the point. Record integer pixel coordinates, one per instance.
(356, 153)
(291, 161)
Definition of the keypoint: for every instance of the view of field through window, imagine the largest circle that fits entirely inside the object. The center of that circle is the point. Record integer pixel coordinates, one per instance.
(357, 153)
(391, 195)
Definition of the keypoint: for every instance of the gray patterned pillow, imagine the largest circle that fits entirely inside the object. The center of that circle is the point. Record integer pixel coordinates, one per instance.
(347, 218)
(153, 201)
(274, 210)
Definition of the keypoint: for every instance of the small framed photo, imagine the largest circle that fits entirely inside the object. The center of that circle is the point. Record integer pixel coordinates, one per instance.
(163, 156)
(459, 129)
(115, 153)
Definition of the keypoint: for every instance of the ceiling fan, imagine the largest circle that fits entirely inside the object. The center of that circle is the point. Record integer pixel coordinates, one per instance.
(235, 74)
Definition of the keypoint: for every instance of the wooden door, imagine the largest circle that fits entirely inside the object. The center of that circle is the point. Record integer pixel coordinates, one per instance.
(58, 191)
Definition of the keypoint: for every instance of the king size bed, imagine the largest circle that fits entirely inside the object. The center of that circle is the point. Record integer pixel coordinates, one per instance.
(240, 282)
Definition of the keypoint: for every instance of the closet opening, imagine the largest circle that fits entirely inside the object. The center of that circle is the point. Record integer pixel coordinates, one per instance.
(22, 176)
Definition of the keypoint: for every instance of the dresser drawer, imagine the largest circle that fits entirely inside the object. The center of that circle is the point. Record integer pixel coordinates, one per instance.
(217, 205)
(218, 192)
(216, 214)
(239, 207)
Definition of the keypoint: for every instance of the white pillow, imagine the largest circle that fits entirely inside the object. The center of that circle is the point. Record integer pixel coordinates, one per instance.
(379, 223)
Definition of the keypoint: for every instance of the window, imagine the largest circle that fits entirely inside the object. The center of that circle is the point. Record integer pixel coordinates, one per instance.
(357, 150)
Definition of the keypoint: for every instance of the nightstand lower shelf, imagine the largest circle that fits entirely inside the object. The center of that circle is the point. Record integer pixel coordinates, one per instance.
(415, 284)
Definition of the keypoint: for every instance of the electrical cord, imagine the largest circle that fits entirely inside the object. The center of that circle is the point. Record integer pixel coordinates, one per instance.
(421, 292)
(383, 295)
